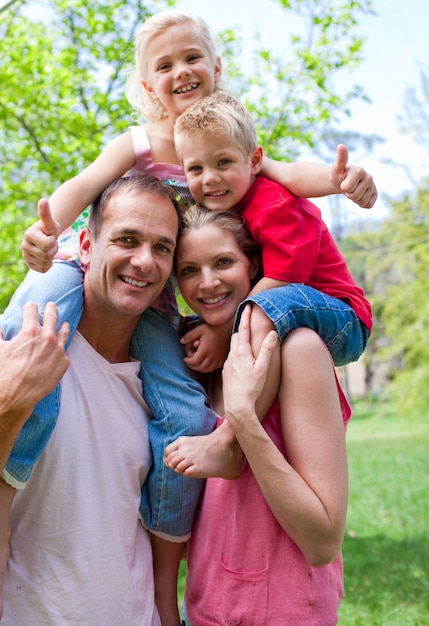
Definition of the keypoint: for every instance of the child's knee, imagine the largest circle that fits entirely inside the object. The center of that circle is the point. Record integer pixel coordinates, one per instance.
(260, 326)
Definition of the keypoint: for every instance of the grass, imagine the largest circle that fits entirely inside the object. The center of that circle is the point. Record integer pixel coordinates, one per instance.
(386, 547)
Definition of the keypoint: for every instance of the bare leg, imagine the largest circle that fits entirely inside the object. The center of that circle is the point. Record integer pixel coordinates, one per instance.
(7, 494)
(218, 454)
(260, 326)
(166, 561)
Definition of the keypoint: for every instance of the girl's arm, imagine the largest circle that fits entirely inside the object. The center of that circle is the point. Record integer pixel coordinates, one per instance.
(307, 491)
(206, 346)
(313, 180)
(72, 197)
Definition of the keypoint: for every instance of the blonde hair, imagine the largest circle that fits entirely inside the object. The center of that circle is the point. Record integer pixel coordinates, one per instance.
(145, 108)
(197, 216)
(219, 113)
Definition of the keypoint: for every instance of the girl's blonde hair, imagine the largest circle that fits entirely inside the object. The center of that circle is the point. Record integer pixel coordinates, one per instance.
(146, 109)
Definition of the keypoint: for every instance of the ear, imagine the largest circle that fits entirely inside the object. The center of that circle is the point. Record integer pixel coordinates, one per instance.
(85, 245)
(217, 70)
(256, 160)
(149, 90)
(254, 267)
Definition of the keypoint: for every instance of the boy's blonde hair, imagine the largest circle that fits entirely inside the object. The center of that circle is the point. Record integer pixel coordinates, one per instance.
(219, 113)
(145, 108)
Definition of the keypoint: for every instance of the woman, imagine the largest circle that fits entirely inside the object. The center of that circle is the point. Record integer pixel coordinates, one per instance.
(266, 547)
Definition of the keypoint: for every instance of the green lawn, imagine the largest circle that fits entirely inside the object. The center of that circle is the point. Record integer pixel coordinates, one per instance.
(386, 548)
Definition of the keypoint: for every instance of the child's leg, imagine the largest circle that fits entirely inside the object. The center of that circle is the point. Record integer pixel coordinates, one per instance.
(7, 493)
(260, 326)
(166, 562)
(297, 306)
(63, 284)
(180, 407)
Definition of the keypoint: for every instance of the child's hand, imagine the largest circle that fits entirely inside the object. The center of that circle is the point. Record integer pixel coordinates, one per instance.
(353, 181)
(40, 240)
(205, 348)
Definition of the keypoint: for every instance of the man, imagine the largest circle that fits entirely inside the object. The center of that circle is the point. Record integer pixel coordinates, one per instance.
(31, 365)
(79, 554)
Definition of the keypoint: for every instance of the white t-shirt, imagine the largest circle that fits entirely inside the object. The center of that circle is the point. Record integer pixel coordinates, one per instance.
(79, 554)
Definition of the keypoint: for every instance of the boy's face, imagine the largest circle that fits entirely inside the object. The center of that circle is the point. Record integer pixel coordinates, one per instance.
(218, 173)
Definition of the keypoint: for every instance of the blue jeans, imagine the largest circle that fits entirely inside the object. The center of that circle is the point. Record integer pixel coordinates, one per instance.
(297, 305)
(178, 403)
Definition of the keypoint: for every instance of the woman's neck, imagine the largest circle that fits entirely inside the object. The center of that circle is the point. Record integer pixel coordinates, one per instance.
(214, 391)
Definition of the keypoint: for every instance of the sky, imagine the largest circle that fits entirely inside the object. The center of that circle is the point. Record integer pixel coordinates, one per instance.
(397, 42)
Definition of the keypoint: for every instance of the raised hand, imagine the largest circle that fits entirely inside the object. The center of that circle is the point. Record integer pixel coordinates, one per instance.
(40, 239)
(352, 180)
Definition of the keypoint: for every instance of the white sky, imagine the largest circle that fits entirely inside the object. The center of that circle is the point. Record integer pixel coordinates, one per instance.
(397, 40)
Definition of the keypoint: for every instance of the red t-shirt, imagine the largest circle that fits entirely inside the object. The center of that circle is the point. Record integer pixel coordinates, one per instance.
(297, 246)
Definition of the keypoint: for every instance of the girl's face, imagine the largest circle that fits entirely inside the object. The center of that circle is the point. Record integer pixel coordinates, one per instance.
(213, 273)
(179, 69)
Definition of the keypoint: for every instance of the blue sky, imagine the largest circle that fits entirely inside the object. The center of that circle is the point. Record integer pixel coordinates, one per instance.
(397, 40)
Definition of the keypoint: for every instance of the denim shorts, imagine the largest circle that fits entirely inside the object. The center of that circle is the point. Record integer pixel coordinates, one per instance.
(297, 306)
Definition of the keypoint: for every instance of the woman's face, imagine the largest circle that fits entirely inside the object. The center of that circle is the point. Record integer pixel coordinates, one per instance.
(213, 273)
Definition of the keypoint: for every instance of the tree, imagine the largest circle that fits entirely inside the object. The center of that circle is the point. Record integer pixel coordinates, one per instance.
(297, 101)
(415, 120)
(403, 306)
(63, 67)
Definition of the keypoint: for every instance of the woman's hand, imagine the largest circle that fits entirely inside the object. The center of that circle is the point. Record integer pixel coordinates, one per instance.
(243, 376)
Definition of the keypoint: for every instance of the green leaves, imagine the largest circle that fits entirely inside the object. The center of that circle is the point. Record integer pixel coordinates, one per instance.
(63, 67)
(399, 285)
(304, 93)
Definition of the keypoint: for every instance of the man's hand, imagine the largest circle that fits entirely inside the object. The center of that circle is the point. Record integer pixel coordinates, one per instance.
(40, 239)
(353, 181)
(31, 365)
(34, 361)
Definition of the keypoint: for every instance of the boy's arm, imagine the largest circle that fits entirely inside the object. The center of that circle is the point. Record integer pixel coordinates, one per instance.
(72, 197)
(313, 180)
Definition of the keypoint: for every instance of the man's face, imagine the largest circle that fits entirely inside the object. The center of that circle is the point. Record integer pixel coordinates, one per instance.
(131, 259)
